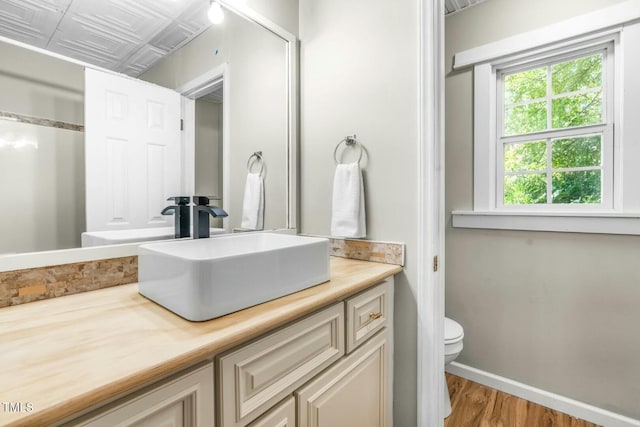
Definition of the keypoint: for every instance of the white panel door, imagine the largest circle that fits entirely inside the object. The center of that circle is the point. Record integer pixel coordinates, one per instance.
(132, 150)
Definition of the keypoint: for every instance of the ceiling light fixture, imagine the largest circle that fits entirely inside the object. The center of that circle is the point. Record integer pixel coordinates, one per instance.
(216, 15)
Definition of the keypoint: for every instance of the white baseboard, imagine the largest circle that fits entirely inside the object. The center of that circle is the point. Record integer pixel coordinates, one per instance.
(571, 407)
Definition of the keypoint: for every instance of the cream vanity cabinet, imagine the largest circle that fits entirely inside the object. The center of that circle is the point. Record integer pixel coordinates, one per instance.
(330, 369)
(182, 401)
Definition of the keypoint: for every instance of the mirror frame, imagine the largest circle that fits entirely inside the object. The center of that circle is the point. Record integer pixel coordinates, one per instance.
(67, 256)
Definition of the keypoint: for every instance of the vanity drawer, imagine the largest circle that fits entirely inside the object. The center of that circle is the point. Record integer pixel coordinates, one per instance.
(369, 312)
(255, 377)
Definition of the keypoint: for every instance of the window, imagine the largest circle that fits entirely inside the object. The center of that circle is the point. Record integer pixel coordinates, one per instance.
(554, 132)
(556, 129)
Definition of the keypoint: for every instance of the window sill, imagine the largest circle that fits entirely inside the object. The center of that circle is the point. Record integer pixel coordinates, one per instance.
(565, 222)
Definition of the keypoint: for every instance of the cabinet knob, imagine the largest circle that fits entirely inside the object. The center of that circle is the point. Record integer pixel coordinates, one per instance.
(374, 316)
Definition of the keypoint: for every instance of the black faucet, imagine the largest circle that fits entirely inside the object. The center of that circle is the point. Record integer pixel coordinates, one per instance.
(201, 212)
(181, 213)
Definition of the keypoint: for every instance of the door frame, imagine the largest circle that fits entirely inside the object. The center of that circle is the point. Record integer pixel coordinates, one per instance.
(189, 92)
(430, 286)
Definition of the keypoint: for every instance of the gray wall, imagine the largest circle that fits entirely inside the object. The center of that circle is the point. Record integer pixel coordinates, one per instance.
(359, 73)
(42, 188)
(281, 12)
(557, 311)
(257, 103)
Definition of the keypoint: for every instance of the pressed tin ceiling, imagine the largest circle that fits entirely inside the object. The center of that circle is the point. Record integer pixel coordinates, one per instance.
(451, 6)
(127, 36)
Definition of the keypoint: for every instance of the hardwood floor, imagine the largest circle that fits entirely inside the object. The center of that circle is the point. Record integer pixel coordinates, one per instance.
(474, 405)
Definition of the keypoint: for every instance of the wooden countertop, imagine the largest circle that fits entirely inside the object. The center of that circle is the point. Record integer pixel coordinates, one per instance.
(66, 354)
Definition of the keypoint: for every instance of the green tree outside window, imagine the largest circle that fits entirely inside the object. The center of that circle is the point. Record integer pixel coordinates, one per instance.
(554, 170)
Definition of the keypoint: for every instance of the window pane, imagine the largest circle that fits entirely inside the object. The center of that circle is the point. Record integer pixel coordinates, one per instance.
(525, 189)
(577, 187)
(529, 156)
(576, 152)
(524, 86)
(579, 74)
(525, 118)
(577, 110)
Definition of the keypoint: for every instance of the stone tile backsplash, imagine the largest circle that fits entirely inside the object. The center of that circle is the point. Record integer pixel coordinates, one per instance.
(22, 286)
(368, 250)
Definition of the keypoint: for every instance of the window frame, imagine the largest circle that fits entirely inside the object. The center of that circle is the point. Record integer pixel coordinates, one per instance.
(618, 23)
(487, 193)
(605, 128)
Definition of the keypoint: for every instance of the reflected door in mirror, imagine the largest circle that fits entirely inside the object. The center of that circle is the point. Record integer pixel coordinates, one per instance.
(132, 152)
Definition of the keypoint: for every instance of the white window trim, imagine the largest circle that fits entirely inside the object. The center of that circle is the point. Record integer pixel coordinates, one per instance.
(568, 222)
(593, 28)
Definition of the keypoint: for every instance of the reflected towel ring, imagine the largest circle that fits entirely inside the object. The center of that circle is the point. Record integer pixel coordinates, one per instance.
(349, 141)
(258, 157)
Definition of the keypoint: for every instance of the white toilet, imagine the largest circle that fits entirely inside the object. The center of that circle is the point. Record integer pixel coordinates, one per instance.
(453, 334)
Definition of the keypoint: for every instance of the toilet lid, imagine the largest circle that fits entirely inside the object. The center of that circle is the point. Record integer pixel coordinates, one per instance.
(452, 330)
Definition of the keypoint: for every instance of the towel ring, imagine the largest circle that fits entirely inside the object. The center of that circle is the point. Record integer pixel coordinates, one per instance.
(349, 141)
(258, 157)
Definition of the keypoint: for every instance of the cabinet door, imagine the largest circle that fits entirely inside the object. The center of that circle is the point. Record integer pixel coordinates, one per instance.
(176, 414)
(255, 377)
(355, 392)
(186, 401)
(283, 415)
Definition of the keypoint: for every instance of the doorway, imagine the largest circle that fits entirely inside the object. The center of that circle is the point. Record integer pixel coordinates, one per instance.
(205, 138)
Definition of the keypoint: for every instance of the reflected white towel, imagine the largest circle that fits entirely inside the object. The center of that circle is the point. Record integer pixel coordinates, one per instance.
(253, 204)
(348, 216)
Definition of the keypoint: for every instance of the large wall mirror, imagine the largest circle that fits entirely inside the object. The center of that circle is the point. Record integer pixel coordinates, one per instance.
(238, 89)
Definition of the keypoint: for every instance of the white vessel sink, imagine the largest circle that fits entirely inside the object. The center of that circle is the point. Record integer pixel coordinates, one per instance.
(206, 278)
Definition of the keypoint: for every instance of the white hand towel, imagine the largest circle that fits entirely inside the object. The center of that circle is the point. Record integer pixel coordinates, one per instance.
(253, 204)
(348, 216)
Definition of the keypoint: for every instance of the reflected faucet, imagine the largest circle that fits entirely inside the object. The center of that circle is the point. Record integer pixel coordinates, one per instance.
(180, 211)
(201, 212)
